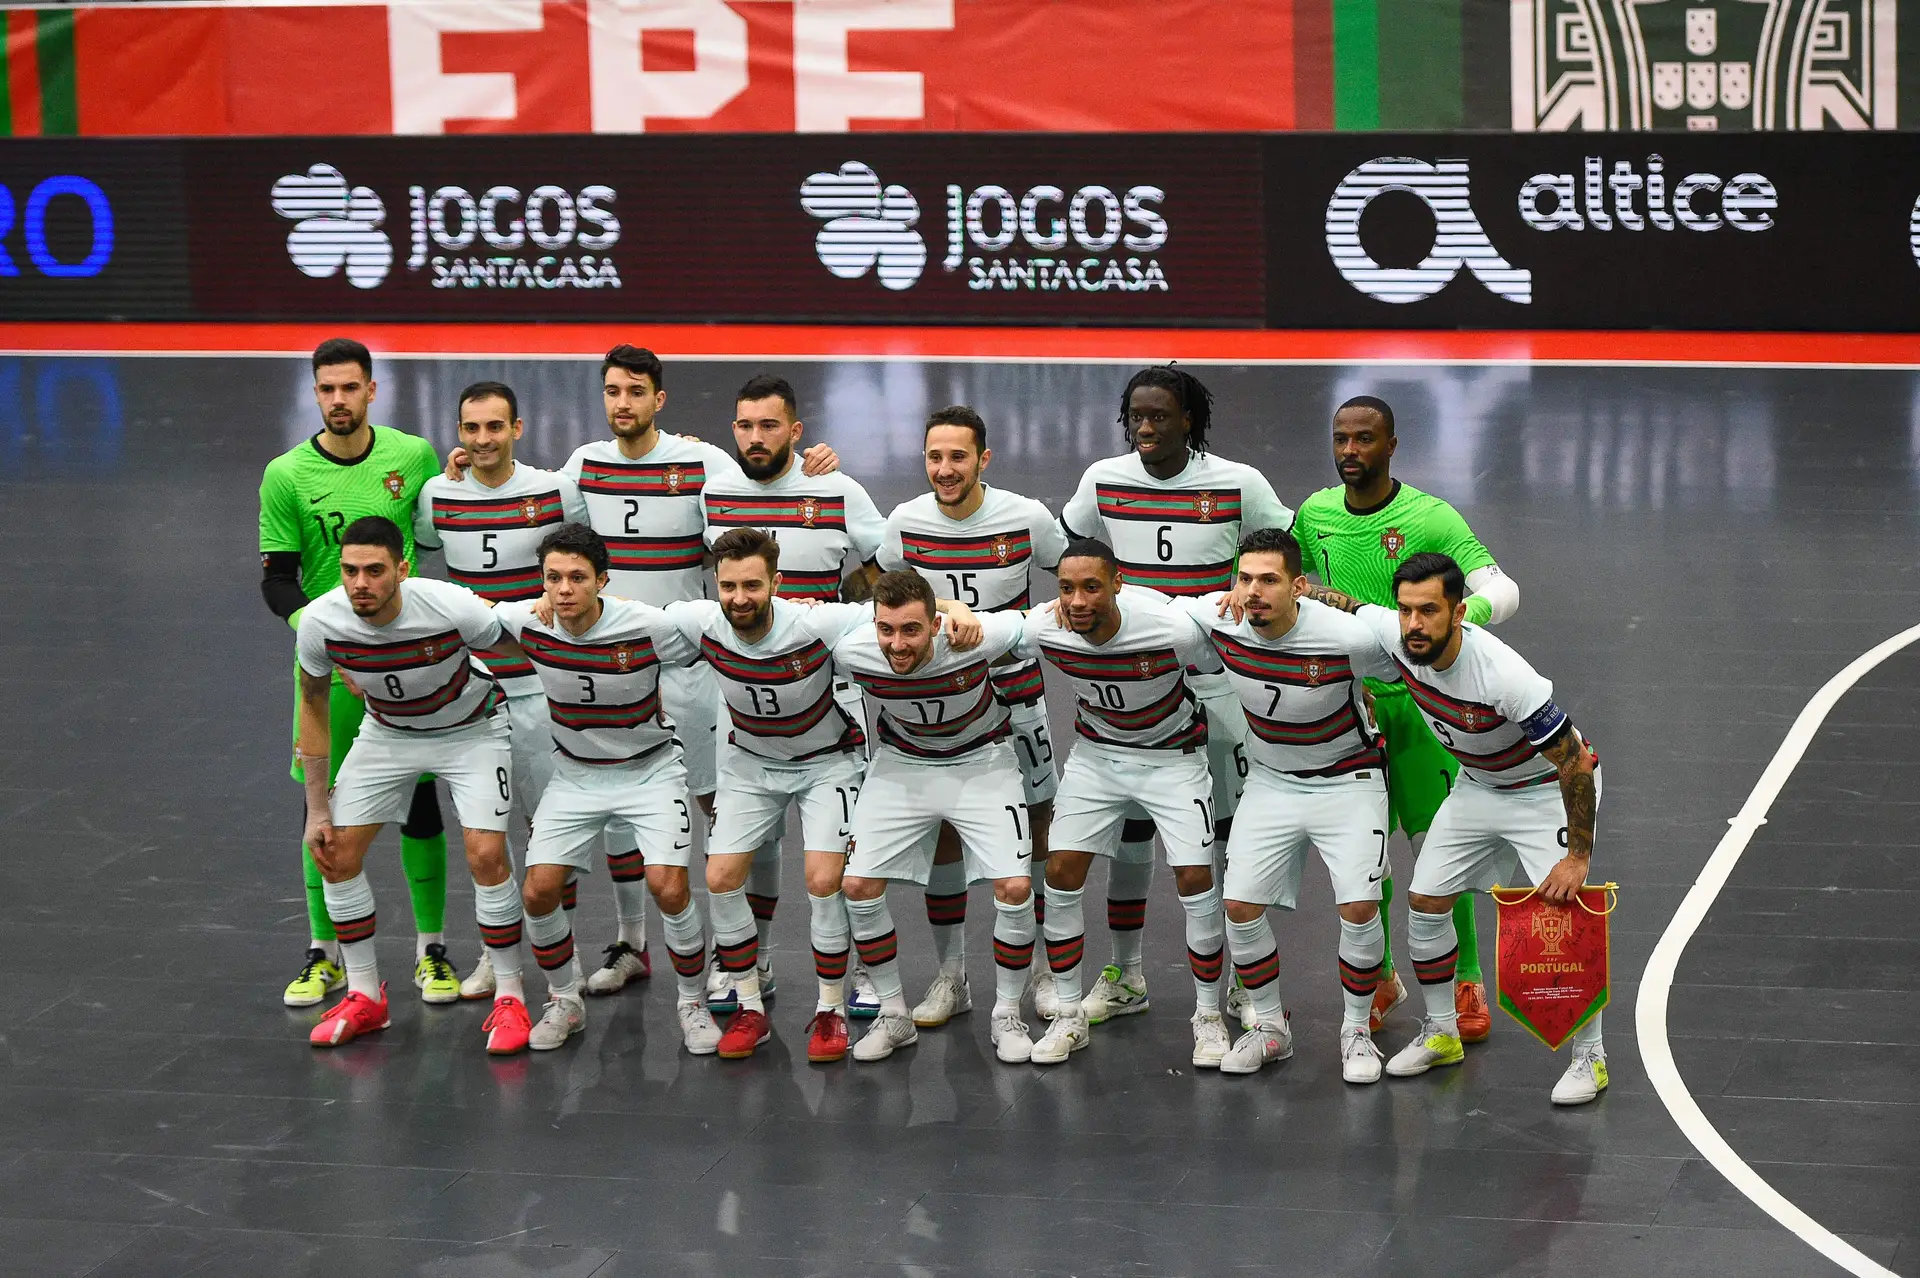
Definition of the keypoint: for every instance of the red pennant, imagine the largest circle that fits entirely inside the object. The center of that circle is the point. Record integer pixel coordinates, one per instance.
(1552, 975)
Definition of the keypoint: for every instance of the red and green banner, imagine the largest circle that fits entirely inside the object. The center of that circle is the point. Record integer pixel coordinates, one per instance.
(1552, 971)
(38, 93)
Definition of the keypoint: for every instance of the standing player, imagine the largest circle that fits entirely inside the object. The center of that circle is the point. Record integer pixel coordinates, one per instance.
(308, 496)
(1142, 748)
(1354, 537)
(490, 532)
(410, 645)
(618, 764)
(1498, 718)
(977, 544)
(944, 756)
(1318, 777)
(1174, 514)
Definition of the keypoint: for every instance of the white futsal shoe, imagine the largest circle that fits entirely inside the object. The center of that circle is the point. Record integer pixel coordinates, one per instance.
(1008, 1034)
(1065, 1036)
(1261, 1045)
(946, 998)
(560, 1021)
(1360, 1060)
(1586, 1076)
(1210, 1043)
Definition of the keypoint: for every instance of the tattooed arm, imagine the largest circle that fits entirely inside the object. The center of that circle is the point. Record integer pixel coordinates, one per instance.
(1331, 598)
(1568, 753)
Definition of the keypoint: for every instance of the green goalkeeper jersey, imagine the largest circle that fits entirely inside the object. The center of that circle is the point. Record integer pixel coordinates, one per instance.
(308, 497)
(1358, 554)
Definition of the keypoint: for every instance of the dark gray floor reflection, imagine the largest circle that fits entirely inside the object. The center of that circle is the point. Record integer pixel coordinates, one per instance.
(1697, 549)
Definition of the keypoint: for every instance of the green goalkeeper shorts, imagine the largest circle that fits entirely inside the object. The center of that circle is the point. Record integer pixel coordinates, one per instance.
(1420, 772)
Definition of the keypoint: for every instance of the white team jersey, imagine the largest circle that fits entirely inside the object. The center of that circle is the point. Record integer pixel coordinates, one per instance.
(648, 512)
(1306, 707)
(984, 561)
(1132, 690)
(825, 524)
(603, 687)
(491, 539)
(1490, 709)
(944, 710)
(779, 690)
(418, 671)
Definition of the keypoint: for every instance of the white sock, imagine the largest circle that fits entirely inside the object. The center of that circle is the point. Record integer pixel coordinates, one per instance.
(1256, 957)
(331, 948)
(737, 944)
(1363, 950)
(687, 946)
(1588, 1035)
(1206, 941)
(1013, 931)
(832, 938)
(1066, 931)
(552, 938)
(879, 945)
(763, 894)
(497, 909)
(423, 939)
(1129, 883)
(947, 916)
(350, 906)
(1434, 948)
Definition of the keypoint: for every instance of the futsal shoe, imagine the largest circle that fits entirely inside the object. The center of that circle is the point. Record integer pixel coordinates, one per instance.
(1239, 1006)
(1046, 1002)
(1112, 995)
(746, 1031)
(434, 974)
(827, 1037)
(507, 1027)
(1586, 1076)
(1261, 1045)
(946, 998)
(1470, 1009)
(863, 1001)
(559, 1021)
(728, 999)
(1008, 1035)
(1387, 995)
(352, 1016)
(1065, 1036)
(887, 1034)
(319, 977)
(1434, 1048)
(479, 983)
(697, 1030)
(1210, 1043)
(624, 965)
(1359, 1057)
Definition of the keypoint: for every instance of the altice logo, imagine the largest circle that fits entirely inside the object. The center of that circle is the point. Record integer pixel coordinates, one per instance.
(1458, 238)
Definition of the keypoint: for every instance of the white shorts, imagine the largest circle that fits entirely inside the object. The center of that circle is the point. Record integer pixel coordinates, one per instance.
(691, 699)
(1099, 792)
(647, 803)
(751, 804)
(1482, 837)
(1345, 817)
(532, 734)
(1033, 750)
(1226, 750)
(376, 779)
(904, 801)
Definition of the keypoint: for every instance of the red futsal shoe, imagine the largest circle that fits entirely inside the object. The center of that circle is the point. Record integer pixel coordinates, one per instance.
(507, 1026)
(827, 1037)
(352, 1016)
(746, 1031)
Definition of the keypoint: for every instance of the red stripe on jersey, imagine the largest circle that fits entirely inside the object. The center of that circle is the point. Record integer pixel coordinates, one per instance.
(795, 584)
(996, 550)
(1319, 732)
(413, 707)
(502, 514)
(623, 657)
(945, 685)
(586, 718)
(1019, 685)
(1153, 663)
(500, 586)
(890, 735)
(1168, 505)
(1190, 580)
(503, 666)
(643, 479)
(788, 725)
(785, 667)
(1188, 738)
(1372, 756)
(379, 658)
(1285, 668)
(1511, 757)
(1468, 716)
(1146, 716)
(798, 511)
(655, 554)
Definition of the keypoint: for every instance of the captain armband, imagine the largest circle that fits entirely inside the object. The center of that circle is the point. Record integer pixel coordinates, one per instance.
(1545, 724)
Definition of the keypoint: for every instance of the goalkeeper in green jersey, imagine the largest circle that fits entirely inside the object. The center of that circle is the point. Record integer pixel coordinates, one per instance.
(1353, 537)
(308, 495)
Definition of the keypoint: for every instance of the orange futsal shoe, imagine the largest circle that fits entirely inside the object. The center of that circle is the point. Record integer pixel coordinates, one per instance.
(1470, 1005)
(507, 1026)
(1387, 995)
(352, 1016)
(746, 1031)
(827, 1037)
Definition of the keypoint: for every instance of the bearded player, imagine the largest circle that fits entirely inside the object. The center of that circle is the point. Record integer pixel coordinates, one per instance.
(1497, 716)
(1353, 537)
(308, 496)
(977, 544)
(1174, 514)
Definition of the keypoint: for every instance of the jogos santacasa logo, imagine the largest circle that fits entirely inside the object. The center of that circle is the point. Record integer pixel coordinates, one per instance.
(1092, 239)
(1629, 197)
(501, 238)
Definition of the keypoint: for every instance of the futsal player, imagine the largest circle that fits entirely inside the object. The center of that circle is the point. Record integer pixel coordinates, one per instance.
(1353, 537)
(308, 496)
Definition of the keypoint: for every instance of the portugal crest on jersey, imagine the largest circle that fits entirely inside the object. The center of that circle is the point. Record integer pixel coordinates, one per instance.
(1393, 542)
(396, 484)
(798, 667)
(1002, 548)
(1145, 665)
(1205, 504)
(673, 479)
(623, 658)
(531, 509)
(1314, 669)
(809, 510)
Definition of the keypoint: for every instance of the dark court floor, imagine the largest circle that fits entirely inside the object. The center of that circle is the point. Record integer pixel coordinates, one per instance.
(1698, 550)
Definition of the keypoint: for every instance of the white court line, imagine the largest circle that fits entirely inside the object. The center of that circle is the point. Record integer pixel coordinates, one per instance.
(1650, 1013)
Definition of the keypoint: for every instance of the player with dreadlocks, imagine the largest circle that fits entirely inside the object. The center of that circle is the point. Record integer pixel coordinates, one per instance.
(1174, 514)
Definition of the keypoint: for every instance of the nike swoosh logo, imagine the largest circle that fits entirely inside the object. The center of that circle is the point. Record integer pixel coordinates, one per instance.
(1375, 878)
(1323, 536)
(315, 501)
(502, 812)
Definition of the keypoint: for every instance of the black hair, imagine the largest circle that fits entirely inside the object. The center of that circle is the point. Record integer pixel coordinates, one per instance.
(375, 530)
(492, 390)
(1091, 548)
(767, 386)
(959, 415)
(1372, 403)
(1427, 565)
(576, 539)
(1194, 399)
(1273, 541)
(637, 360)
(342, 350)
(901, 587)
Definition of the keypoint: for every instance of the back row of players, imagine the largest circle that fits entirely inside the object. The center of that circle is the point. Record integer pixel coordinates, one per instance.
(1211, 678)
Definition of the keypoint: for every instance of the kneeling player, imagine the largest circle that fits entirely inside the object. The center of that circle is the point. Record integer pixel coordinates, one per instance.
(1318, 777)
(619, 767)
(944, 755)
(433, 707)
(1497, 716)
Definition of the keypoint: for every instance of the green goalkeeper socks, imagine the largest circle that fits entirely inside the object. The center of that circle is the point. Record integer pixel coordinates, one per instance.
(425, 861)
(1468, 968)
